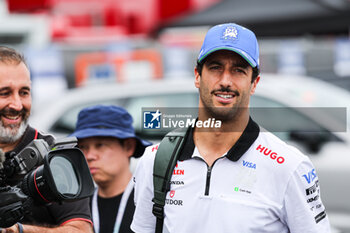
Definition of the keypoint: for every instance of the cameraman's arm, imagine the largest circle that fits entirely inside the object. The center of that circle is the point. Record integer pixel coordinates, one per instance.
(70, 227)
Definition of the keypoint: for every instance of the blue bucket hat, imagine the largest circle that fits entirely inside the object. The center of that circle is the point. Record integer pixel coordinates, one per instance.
(108, 121)
(231, 37)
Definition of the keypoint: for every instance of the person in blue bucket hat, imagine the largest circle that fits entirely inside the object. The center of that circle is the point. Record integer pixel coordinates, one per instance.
(107, 138)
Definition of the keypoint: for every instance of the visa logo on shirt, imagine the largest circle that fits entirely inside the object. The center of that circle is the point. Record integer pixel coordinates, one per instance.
(249, 164)
(310, 176)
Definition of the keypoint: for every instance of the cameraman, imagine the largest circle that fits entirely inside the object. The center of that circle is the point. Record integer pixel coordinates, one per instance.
(16, 134)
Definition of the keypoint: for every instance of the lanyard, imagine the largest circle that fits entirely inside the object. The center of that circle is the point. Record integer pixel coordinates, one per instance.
(121, 209)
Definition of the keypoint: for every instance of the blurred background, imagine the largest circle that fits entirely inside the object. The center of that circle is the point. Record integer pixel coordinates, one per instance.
(72, 43)
(141, 53)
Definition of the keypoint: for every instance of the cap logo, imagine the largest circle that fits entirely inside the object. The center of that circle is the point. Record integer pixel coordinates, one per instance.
(230, 33)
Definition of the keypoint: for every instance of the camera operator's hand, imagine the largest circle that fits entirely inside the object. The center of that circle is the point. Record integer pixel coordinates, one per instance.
(13, 206)
(13, 229)
(76, 226)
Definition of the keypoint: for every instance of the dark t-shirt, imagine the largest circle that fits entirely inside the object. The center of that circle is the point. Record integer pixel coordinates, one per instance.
(54, 213)
(108, 209)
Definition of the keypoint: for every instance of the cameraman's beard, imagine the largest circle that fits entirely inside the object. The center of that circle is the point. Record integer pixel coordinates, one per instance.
(2, 158)
(10, 134)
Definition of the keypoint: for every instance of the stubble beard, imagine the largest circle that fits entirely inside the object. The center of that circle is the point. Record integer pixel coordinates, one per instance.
(224, 114)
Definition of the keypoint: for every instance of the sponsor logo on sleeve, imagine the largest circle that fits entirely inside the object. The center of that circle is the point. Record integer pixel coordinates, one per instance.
(312, 199)
(316, 207)
(320, 216)
(270, 154)
(313, 189)
(313, 192)
(310, 176)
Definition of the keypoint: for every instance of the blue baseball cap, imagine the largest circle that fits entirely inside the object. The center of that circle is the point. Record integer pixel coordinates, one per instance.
(231, 37)
(108, 121)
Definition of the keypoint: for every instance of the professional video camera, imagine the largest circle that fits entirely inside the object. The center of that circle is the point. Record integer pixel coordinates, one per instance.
(42, 174)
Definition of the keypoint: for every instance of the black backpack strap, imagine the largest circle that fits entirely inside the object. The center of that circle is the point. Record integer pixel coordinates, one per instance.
(166, 158)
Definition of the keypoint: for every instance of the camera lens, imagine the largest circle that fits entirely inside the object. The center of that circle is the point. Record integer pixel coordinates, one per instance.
(64, 176)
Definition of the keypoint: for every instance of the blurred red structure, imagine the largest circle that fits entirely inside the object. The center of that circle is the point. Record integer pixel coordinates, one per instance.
(77, 19)
(27, 6)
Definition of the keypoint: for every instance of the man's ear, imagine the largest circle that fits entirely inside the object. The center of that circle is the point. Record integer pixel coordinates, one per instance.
(197, 77)
(130, 146)
(254, 84)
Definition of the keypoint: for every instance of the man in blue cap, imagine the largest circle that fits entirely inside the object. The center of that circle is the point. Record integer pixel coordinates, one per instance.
(234, 178)
(106, 136)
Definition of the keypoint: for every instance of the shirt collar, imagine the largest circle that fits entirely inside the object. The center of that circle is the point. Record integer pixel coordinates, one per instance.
(247, 138)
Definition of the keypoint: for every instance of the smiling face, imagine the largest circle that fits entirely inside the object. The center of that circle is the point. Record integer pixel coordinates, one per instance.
(15, 100)
(225, 86)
